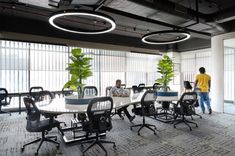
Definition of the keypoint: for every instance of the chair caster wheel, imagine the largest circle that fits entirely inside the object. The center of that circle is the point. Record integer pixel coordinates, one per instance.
(122, 118)
(174, 126)
(155, 133)
(22, 149)
(200, 117)
(131, 129)
(58, 146)
(36, 153)
(190, 129)
(114, 146)
(196, 125)
(138, 133)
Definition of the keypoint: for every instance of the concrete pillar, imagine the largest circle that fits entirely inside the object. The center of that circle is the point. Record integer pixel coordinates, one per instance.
(217, 75)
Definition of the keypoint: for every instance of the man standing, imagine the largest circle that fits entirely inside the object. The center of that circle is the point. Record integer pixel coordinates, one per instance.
(203, 83)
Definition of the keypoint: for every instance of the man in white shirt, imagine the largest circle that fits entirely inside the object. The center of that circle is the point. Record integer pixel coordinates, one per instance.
(117, 90)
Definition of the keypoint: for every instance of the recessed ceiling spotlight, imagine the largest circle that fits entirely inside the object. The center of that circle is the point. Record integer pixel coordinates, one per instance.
(93, 14)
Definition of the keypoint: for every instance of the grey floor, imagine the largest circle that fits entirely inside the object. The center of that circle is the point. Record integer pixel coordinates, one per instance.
(215, 136)
(229, 108)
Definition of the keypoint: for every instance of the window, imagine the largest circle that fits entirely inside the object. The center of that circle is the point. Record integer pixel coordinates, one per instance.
(23, 65)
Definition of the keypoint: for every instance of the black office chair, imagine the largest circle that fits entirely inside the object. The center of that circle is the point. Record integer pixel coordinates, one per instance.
(81, 118)
(186, 108)
(67, 92)
(90, 91)
(141, 85)
(147, 109)
(155, 86)
(35, 124)
(99, 111)
(4, 100)
(137, 89)
(187, 86)
(34, 93)
(47, 95)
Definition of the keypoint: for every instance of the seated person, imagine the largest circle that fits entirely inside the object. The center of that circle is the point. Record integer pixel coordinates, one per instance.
(117, 90)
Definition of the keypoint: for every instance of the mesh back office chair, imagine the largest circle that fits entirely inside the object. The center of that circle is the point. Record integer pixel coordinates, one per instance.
(141, 85)
(90, 91)
(47, 95)
(147, 109)
(155, 86)
(66, 92)
(81, 118)
(4, 100)
(186, 108)
(99, 111)
(188, 88)
(35, 124)
(139, 88)
(34, 93)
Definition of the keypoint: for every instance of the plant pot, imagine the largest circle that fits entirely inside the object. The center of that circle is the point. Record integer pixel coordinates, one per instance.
(166, 95)
(74, 100)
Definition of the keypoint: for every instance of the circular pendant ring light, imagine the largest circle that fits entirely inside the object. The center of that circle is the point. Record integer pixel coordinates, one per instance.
(186, 35)
(83, 13)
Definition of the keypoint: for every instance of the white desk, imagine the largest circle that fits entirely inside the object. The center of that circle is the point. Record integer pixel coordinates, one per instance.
(58, 106)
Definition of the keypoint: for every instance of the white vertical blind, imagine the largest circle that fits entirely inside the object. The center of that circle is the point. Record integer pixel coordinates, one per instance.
(14, 65)
(192, 61)
(23, 65)
(47, 66)
(229, 73)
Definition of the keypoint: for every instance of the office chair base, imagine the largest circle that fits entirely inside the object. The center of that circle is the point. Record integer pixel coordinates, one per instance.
(149, 126)
(5, 112)
(186, 122)
(47, 139)
(98, 142)
(116, 113)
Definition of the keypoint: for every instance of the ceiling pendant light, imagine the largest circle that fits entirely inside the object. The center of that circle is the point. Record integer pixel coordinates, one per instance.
(83, 13)
(166, 37)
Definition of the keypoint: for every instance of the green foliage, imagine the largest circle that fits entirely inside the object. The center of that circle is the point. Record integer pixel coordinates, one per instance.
(79, 68)
(165, 68)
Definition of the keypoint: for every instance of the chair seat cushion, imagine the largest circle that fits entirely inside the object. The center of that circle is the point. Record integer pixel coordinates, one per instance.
(90, 128)
(39, 126)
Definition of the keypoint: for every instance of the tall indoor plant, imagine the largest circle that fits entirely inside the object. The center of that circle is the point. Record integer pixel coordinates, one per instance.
(80, 69)
(165, 68)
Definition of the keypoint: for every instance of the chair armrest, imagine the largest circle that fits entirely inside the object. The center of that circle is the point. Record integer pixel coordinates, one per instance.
(9, 99)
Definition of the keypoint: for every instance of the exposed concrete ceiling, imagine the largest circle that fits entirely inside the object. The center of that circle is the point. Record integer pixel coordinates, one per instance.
(133, 18)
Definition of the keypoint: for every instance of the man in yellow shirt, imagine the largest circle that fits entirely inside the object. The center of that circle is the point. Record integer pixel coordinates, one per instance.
(203, 83)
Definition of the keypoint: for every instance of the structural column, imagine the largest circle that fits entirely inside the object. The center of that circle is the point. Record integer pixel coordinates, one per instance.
(217, 76)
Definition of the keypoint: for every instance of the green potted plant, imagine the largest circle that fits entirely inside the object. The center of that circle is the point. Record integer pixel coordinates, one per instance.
(165, 68)
(80, 70)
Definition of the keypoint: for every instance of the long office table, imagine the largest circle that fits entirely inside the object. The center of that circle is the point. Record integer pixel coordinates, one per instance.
(58, 106)
(24, 94)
